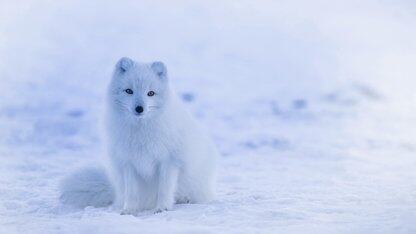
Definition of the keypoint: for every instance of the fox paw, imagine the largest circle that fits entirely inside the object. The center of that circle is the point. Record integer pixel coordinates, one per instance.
(183, 200)
(160, 210)
(129, 212)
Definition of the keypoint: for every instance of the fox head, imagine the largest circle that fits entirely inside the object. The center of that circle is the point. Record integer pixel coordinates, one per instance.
(139, 90)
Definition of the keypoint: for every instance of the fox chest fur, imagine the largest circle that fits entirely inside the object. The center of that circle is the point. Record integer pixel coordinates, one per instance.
(145, 146)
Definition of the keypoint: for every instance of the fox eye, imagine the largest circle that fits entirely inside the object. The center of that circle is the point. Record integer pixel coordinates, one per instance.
(151, 93)
(129, 91)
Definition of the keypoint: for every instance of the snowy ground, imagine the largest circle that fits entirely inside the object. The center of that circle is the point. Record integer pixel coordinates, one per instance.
(311, 103)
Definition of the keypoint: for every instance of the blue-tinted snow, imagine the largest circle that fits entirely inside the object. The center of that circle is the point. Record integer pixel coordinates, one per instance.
(311, 104)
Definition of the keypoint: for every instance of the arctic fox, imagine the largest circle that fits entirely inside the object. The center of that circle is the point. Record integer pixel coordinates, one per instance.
(157, 155)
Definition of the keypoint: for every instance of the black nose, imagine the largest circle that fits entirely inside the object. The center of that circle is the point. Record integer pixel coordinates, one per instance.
(139, 109)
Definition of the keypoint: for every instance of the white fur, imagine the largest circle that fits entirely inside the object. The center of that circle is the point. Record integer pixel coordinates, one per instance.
(160, 156)
(87, 187)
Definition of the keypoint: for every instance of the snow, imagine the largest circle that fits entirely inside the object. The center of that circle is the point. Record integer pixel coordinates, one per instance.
(311, 104)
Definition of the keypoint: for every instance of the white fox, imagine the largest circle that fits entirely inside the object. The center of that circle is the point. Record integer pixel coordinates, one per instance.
(157, 155)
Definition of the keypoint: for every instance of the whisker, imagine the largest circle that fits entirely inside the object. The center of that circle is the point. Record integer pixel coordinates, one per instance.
(122, 105)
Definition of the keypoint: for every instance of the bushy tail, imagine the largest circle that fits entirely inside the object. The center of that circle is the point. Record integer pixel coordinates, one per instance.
(87, 187)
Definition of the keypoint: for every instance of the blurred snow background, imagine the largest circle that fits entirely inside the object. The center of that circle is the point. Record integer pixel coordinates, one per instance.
(311, 103)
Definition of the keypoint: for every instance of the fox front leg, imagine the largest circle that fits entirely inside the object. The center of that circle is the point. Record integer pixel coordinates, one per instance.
(168, 178)
(131, 192)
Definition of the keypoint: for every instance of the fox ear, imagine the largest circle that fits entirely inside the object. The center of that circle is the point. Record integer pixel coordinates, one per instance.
(160, 69)
(124, 64)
